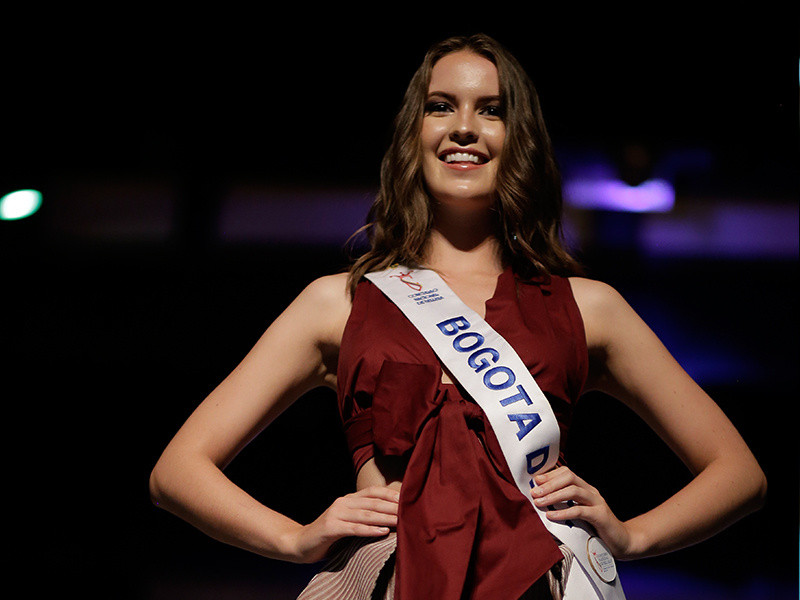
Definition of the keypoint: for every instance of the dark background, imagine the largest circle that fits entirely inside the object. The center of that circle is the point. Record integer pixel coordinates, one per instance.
(125, 300)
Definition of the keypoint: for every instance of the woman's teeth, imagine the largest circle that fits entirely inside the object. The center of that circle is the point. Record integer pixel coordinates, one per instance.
(461, 157)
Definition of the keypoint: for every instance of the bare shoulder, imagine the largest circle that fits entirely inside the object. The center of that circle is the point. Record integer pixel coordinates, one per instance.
(326, 303)
(626, 356)
(594, 295)
(601, 307)
(329, 291)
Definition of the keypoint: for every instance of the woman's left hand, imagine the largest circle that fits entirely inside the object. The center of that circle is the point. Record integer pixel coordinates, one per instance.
(572, 498)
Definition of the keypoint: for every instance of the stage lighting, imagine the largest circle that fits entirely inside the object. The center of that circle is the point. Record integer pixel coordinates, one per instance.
(19, 204)
(653, 195)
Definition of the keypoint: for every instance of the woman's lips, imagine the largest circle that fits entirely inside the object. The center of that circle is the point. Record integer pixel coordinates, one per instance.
(463, 159)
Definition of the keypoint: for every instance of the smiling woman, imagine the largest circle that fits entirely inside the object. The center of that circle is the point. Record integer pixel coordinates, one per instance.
(527, 184)
(449, 504)
(462, 134)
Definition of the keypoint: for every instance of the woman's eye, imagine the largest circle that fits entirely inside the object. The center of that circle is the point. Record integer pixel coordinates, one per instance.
(493, 110)
(434, 107)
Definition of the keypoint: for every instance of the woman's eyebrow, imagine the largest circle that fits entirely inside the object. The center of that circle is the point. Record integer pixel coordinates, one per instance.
(451, 98)
(444, 95)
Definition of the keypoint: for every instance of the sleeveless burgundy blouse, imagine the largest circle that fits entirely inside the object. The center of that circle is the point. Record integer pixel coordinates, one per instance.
(464, 529)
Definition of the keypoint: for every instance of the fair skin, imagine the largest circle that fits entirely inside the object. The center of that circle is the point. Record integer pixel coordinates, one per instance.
(462, 135)
(627, 361)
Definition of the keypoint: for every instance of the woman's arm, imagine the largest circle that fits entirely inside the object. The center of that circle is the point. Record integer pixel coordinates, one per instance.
(630, 363)
(298, 352)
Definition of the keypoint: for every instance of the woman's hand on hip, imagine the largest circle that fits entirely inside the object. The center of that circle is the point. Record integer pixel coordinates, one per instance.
(370, 512)
(565, 496)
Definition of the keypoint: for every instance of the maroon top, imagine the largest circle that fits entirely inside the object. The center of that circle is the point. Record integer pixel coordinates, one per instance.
(464, 529)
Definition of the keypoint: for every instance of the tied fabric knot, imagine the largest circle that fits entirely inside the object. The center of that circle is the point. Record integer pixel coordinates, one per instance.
(464, 530)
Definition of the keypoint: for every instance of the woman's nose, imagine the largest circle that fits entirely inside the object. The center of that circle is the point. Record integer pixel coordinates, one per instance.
(464, 131)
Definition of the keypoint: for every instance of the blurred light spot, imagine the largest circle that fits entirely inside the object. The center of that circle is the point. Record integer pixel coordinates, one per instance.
(724, 229)
(303, 216)
(115, 211)
(20, 204)
(653, 195)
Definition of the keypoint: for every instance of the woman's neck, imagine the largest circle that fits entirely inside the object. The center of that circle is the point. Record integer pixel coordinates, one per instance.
(463, 251)
(471, 270)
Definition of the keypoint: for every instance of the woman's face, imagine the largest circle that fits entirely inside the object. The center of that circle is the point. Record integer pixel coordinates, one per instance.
(463, 131)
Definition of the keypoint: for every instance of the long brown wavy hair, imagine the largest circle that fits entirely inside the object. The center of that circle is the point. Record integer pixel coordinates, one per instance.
(529, 203)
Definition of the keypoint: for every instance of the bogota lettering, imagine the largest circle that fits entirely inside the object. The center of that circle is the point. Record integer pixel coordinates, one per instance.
(496, 378)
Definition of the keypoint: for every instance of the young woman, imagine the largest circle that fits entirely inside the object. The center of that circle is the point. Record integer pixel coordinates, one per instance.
(470, 191)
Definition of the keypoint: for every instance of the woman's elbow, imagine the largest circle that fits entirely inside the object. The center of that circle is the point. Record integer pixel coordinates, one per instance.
(156, 495)
(752, 486)
(159, 484)
(759, 495)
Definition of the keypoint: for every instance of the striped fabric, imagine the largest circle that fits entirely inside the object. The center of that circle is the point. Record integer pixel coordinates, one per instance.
(354, 572)
(363, 569)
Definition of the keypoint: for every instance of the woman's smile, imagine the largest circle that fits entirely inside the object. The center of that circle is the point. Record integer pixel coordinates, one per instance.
(457, 158)
(463, 131)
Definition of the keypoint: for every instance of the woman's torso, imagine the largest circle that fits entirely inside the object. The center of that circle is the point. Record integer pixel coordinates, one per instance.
(476, 293)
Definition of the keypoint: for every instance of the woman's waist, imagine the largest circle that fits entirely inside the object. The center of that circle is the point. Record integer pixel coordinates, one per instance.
(381, 471)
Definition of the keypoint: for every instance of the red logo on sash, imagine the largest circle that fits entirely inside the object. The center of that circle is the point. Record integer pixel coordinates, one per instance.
(406, 278)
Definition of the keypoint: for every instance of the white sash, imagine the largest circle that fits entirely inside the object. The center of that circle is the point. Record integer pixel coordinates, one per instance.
(496, 378)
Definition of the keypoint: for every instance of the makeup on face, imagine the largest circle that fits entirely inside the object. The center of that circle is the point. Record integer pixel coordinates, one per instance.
(463, 130)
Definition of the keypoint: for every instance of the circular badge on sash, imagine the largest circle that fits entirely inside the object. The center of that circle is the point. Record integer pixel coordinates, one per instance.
(601, 559)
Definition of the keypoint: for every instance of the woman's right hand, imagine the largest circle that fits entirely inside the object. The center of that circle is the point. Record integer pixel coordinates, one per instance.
(370, 512)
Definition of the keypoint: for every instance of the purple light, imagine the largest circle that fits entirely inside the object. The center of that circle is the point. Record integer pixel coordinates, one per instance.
(724, 228)
(655, 195)
(299, 216)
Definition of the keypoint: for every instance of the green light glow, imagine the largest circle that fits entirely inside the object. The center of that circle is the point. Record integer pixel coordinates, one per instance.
(20, 204)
